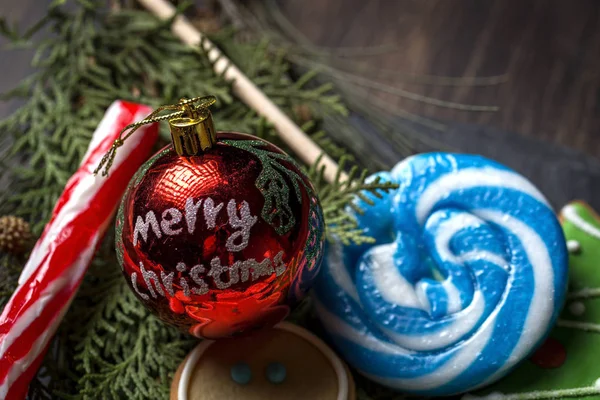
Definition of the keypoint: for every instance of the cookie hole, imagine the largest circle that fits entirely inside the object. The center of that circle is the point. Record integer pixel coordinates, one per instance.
(241, 373)
(276, 372)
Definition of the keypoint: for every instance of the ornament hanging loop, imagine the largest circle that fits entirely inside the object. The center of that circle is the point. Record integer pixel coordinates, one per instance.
(191, 124)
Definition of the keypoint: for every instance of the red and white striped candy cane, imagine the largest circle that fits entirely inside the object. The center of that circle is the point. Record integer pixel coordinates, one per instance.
(61, 256)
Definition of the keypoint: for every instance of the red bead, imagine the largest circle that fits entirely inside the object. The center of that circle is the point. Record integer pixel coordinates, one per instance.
(551, 354)
(221, 243)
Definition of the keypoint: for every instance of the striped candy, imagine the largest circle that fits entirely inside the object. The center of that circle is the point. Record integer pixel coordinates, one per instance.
(61, 256)
(466, 278)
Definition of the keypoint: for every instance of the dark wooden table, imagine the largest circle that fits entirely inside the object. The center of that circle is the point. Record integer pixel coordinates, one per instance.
(15, 64)
(547, 52)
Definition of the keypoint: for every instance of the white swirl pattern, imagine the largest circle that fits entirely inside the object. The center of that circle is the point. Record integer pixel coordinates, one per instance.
(466, 278)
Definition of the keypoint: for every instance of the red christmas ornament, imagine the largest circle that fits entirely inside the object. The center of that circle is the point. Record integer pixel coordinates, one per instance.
(219, 234)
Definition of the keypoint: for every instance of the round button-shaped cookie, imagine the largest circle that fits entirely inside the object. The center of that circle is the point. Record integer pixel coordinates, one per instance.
(286, 362)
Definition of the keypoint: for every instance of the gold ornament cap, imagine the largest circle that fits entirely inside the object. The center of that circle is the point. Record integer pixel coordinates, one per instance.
(192, 129)
(193, 132)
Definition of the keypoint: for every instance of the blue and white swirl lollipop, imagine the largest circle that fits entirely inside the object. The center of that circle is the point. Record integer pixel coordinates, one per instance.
(466, 278)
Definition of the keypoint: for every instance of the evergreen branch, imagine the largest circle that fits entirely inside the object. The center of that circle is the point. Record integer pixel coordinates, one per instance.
(120, 351)
(338, 200)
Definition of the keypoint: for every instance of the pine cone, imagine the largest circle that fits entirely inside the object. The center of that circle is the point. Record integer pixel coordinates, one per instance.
(14, 234)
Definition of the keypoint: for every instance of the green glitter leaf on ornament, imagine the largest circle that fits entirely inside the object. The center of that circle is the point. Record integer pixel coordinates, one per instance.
(314, 242)
(272, 184)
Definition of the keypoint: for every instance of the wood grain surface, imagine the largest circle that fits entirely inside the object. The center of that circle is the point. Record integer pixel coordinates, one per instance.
(15, 63)
(548, 50)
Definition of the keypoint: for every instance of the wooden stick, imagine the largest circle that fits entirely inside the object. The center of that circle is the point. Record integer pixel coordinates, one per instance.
(246, 90)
